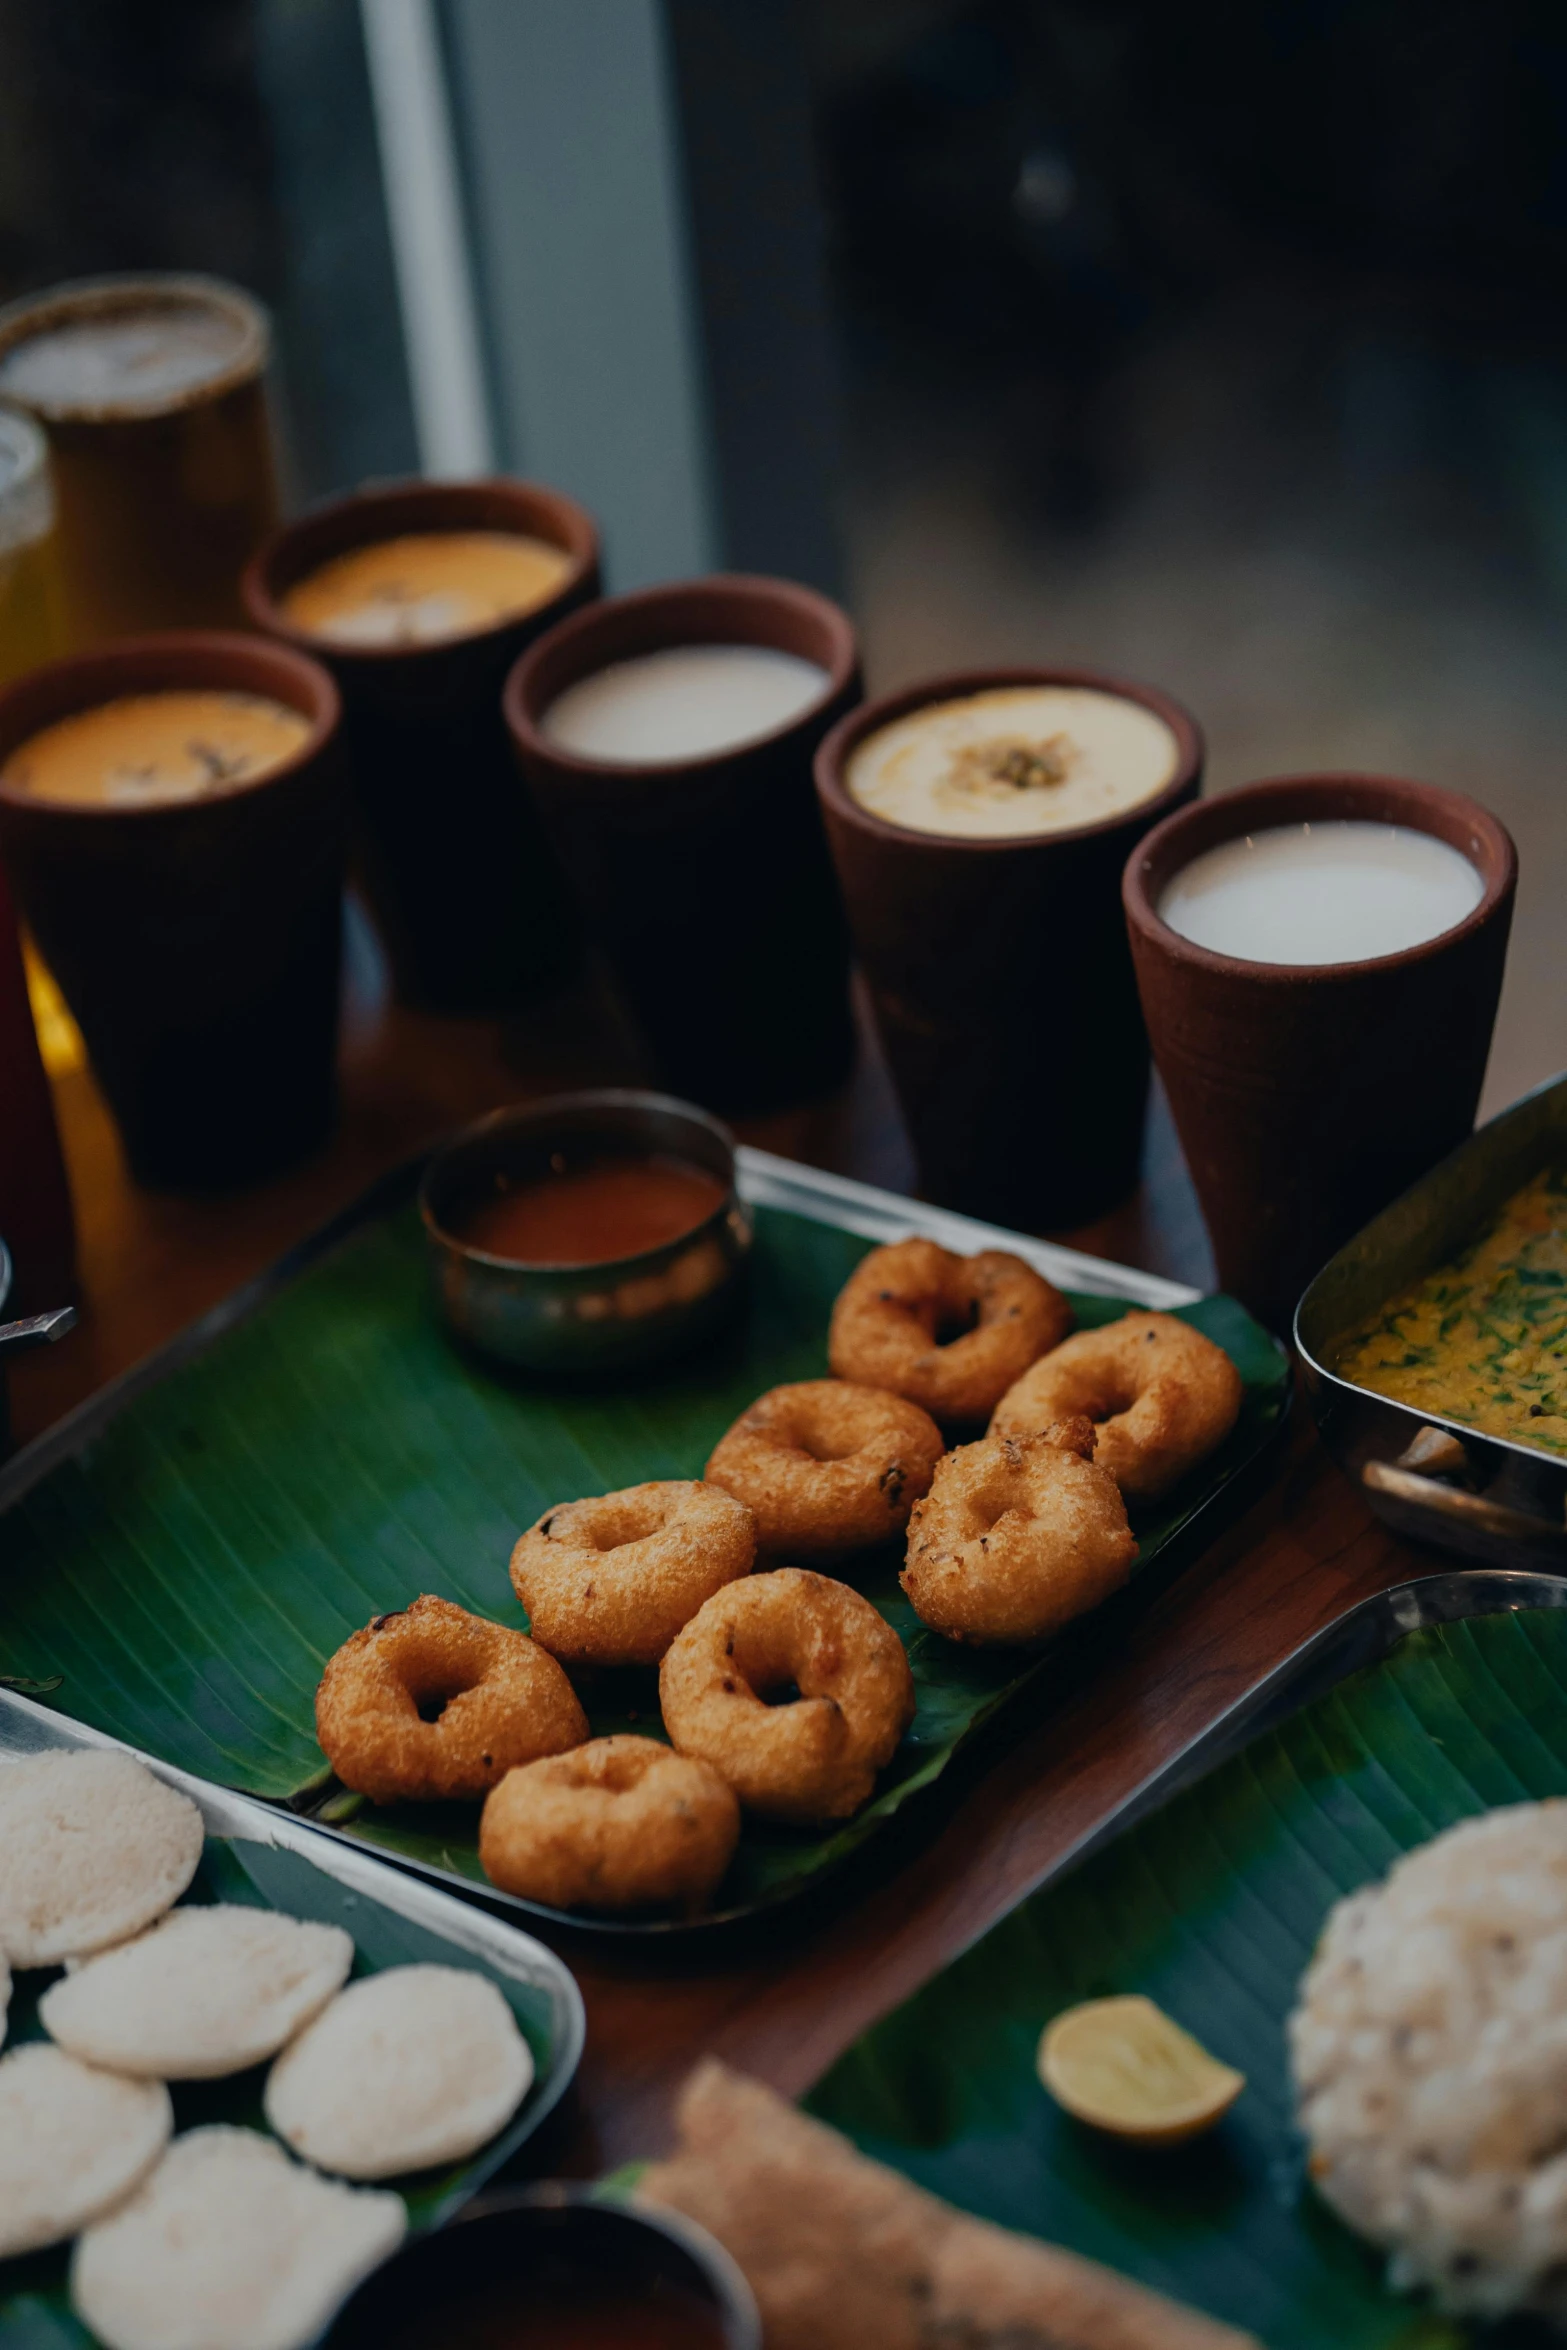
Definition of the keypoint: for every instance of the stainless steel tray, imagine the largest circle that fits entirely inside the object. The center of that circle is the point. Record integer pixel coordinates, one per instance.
(27, 1728)
(771, 1183)
(1428, 1476)
(882, 1215)
(1206, 1891)
(761, 1177)
(1363, 1635)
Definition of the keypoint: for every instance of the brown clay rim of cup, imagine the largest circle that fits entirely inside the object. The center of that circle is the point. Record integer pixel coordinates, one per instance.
(725, 608)
(396, 510)
(1305, 799)
(832, 759)
(100, 297)
(215, 660)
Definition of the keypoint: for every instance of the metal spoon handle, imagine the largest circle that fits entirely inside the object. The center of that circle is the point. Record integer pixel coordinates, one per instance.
(36, 1330)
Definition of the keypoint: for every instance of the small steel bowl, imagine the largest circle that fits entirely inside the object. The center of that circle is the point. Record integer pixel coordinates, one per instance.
(577, 1319)
(552, 2237)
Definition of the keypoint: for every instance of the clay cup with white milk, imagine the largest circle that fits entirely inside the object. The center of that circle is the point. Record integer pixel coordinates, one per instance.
(1319, 961)
(667, 739)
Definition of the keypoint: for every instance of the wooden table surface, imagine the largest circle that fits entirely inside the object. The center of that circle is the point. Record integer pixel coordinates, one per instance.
(1130, 1695)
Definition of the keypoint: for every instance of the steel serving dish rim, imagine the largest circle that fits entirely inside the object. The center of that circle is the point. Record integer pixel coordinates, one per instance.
(1532, 1454)
(1497, 1159)
(762, 1179)
(1362, 1635)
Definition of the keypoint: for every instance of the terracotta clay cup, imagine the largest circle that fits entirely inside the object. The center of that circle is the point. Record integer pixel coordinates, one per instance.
(1307, 1096)
(197, 942)
(471, 903)
(707, 880)
(1000, 978)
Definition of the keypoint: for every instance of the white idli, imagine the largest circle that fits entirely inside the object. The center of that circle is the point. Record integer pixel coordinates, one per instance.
(95, 1848)
(205, 1991)
(1429, 2049)
(72, 2142)
(229, 2246)
(415, 2066)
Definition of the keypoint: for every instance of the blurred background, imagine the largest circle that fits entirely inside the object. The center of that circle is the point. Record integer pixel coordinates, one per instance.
(1221, 346)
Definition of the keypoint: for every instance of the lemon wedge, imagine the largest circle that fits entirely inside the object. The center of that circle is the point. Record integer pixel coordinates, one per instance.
(1122, 2065)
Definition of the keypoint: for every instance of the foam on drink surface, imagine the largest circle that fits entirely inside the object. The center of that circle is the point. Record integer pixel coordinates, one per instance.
(149, 750)
(1337, 892)
(426, 587)
(1013, 762)
(124, 361)
(684, 703)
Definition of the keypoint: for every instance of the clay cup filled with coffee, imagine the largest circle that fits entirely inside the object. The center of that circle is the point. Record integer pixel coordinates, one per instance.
(979, 824)
(419, 598)
(173, 817)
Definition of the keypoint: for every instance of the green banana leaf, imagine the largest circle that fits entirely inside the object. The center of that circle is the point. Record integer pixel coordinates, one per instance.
(332, 1455)
(1212, 1907)
(35, 2312)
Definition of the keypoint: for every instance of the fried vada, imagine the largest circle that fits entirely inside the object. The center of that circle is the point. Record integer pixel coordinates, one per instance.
(827, 1468)
(610, 1581)
(432, 1705)
(1016, 1536)
(621, 1823)
(951, 1333)
(794, 1689)
(1161, 1395)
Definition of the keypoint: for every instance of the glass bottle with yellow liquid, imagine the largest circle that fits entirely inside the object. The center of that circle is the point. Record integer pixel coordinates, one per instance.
(29, 615)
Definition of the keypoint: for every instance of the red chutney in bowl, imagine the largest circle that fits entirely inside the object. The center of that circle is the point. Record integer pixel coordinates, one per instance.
(594, 1212)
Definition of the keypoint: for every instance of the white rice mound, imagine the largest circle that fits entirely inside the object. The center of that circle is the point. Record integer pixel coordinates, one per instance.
(414, 2066)
(229, 2246)
(95, 1848)
(206, 1991)
(1429, 2049)
(72, 2142)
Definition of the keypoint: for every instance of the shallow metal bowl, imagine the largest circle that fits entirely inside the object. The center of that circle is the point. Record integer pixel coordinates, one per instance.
(584, 1318)
(1431, 1477)
(558, 2236)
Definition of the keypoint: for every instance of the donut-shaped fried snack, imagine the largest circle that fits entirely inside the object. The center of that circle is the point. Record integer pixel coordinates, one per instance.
(621, 1823)
(794, 1688)
(826, 1468)
(951, 1333)
(1161, 1395)
(1016, 1536)
(610, 1581)
(433, 1705)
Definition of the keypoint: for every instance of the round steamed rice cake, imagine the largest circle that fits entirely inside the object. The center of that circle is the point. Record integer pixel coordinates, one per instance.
(95, 1848)
(414, 2066)
(1429, 2049)
(229, 2246)
(72, 2141)
(208, 1990)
